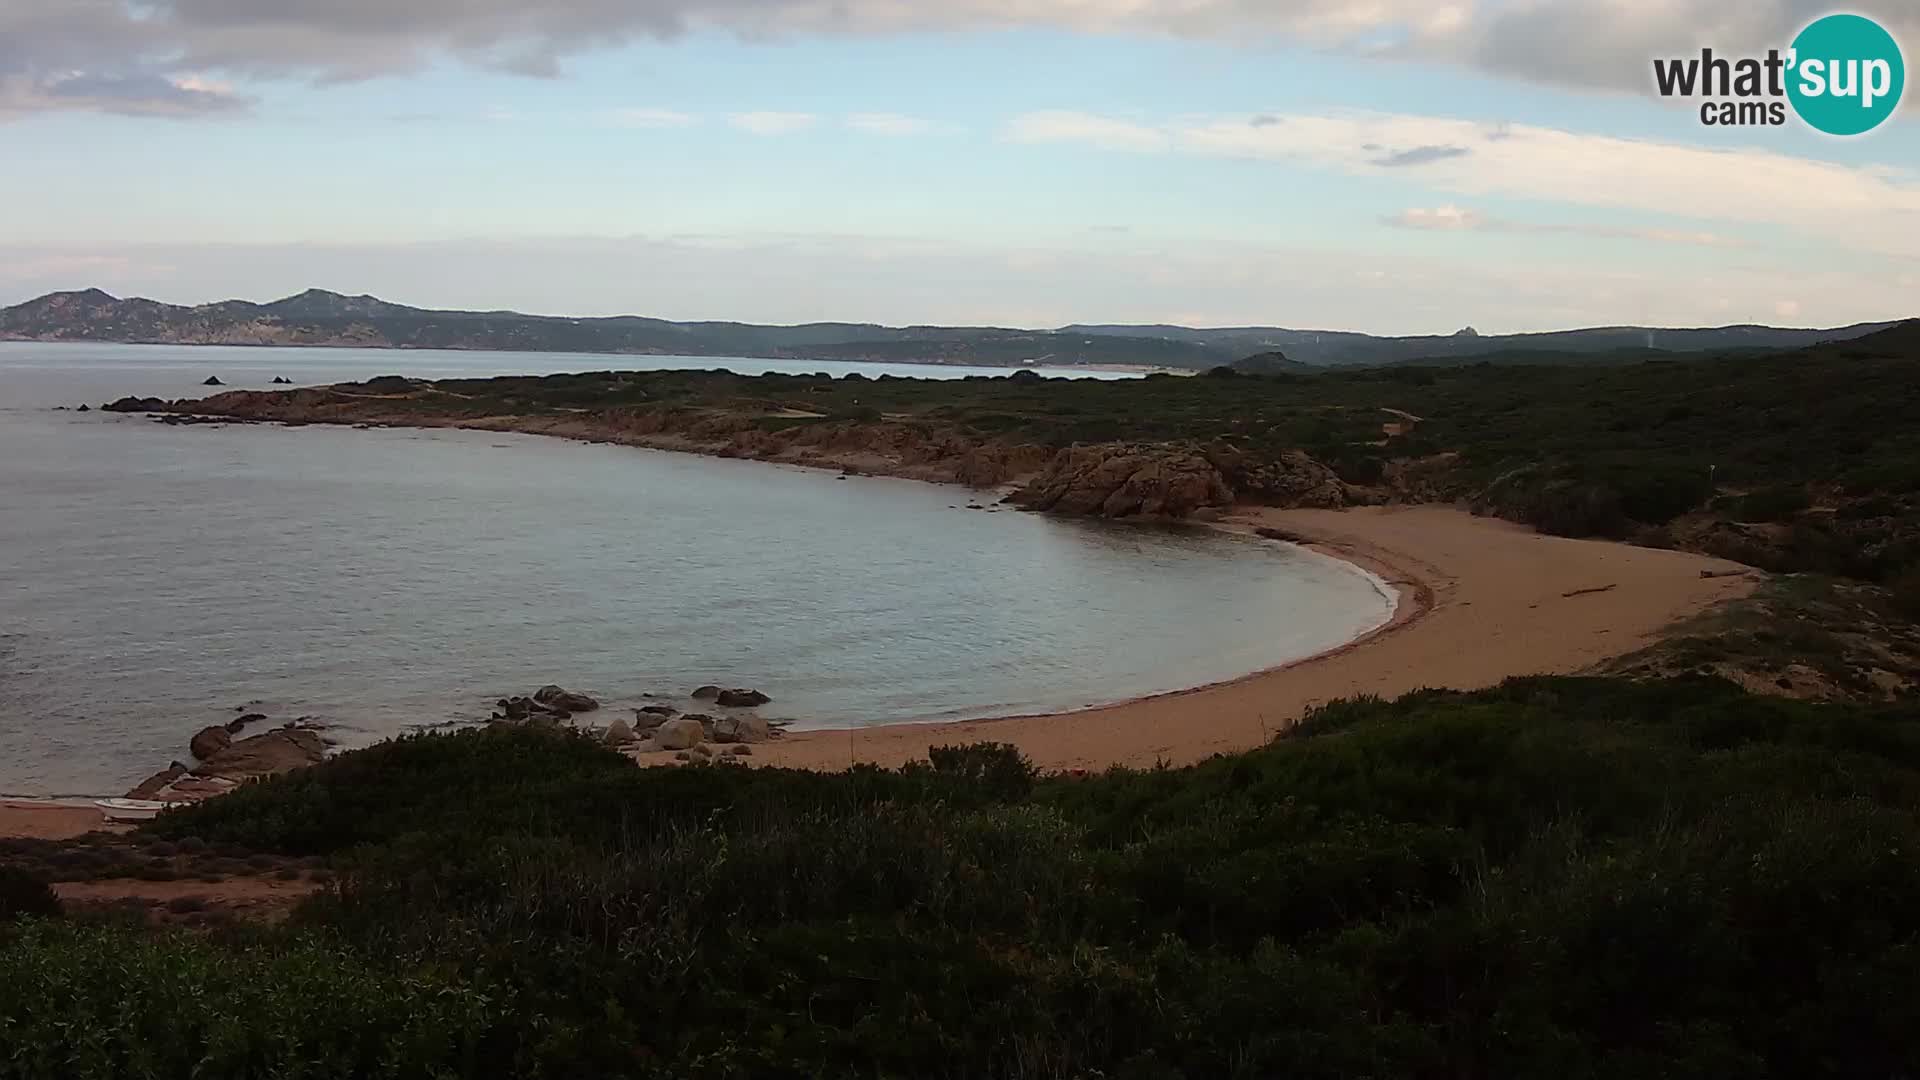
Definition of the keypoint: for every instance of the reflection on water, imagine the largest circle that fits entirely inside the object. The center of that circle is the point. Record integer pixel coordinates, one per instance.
(152, 578)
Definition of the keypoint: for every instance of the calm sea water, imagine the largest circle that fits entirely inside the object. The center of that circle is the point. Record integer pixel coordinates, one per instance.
(152, 578)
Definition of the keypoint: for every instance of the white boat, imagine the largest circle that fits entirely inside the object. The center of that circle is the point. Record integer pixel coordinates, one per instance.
(132, 809)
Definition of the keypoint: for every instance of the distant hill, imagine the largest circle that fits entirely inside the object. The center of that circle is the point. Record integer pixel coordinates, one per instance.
(319, 317)
(1327, 348)
(1270, 363)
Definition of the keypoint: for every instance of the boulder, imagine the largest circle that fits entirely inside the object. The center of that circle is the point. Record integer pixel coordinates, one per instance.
(213, 380)
(153, 785)
(1119, 480)
(136, 404)
(86, 408)
(210, 741)
(658, 710)
(741, 729)
(740, 699)
(683, 733)
(560, 699)
(706, 693)
(282, 380)
(619, 733)
(265, 755)
(1293, 478)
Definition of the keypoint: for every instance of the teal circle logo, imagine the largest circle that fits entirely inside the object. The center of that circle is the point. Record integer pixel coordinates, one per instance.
(1847, 74)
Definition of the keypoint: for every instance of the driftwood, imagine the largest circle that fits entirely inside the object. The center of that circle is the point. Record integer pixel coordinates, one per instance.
(1722, 573)
(1587, 592)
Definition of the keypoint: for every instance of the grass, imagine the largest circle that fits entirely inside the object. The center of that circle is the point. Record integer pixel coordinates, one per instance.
(1585, 877)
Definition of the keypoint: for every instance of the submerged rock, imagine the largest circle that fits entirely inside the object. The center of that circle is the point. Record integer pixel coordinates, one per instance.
(740, 699)
(562, 700)
(213, 380)
(136, 404)
(706, 693)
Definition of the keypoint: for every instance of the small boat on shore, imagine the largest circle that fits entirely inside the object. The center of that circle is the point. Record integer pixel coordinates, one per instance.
(132, 809)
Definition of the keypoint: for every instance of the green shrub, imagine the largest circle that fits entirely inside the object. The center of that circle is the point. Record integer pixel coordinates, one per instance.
(23, 894)
(1589, 876)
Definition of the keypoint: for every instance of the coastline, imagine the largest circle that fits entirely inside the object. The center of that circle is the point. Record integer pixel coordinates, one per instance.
(1482, 600)
(1441, 561)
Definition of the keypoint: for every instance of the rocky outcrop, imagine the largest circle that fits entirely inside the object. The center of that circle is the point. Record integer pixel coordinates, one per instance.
(1124, 480)
(265, 755)
(741, 729)
(683, 733)
(740, 699)
(153, 785)
(137, 404)
(209, 741)
(1292, 479)
(564, 700)
(1120, 480)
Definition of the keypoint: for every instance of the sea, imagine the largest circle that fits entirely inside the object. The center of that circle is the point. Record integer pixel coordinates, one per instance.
(156, 579)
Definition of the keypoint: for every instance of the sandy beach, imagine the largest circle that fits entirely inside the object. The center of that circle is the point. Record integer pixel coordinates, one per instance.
(1481, 600)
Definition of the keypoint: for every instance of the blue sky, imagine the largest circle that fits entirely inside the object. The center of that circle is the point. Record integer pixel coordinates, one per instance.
(1298, 162)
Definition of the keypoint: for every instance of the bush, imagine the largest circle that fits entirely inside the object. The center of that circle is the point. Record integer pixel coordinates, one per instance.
(23, 894)
(1590, 876)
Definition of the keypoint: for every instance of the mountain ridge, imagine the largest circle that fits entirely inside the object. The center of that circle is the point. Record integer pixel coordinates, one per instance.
(320, 317)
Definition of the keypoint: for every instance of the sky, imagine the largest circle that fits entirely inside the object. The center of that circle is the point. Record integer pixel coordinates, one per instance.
(1390, 166)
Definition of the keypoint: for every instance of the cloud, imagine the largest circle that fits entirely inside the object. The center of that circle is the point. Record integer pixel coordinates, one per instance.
(180, 95)
(1451, 218)
(1869, 207)
(650, 118)
(1588, 43)
(884, 123)
(772, 123)
(1447, 217)
(1061, 125)
(1420, 155)
(1610, 44)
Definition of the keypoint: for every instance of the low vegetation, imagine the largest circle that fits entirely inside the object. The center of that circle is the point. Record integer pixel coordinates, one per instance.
(1798, 461)
(1578, 877)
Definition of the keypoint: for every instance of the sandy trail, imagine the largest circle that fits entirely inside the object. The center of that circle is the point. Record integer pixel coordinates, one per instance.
(1481, 600)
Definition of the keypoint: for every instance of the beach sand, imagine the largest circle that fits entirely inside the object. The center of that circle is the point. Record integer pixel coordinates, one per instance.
(1481, 600)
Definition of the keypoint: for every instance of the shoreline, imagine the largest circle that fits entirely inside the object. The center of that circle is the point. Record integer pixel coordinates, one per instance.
(1480, 600)
(1245, 711)
(1531, 626)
